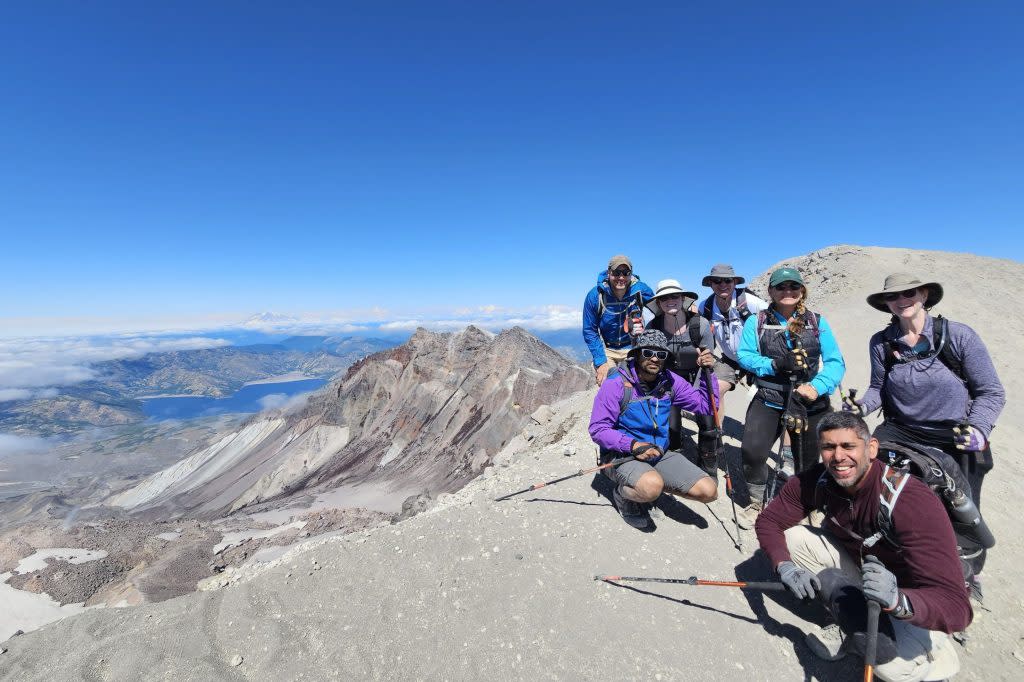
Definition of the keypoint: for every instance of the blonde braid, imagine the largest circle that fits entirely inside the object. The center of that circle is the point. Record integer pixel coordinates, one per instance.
(798, 319)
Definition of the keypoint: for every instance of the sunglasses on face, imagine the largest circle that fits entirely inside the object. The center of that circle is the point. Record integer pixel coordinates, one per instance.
(788, 286)
(721, 280)
(669, 297)
(621, 273)
(895, 296)
(651, 353)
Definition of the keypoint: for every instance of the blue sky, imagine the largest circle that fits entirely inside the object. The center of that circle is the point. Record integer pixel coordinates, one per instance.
(206, 161)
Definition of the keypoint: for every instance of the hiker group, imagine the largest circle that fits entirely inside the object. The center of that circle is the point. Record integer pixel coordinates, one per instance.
(845, 516)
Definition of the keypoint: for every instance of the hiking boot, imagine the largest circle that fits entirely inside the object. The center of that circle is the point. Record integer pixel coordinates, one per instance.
(746, 517)
(709, 464)
(633, 513)
(828, 643)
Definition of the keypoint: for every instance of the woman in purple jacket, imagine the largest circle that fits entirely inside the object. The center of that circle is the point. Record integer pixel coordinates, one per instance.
(936, 385)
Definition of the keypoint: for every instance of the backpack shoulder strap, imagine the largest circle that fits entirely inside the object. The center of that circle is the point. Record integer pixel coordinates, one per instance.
(940, 342)
(706, 311)
(600, 302)
(894, 479)
(627, 387)
(693, 327)
(741, 305)
(813, 321)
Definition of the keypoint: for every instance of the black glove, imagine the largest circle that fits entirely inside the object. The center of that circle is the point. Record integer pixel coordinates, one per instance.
(795, 418)
(801, 582)
(640, 447)
(793, 361)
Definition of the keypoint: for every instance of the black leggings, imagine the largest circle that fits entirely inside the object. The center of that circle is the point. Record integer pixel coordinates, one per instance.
(974, 465)
(762, 428)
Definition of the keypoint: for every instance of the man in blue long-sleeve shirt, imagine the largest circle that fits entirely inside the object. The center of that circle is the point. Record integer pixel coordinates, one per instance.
(607, 310)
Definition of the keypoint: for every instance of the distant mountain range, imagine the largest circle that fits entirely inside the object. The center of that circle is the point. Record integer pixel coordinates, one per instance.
(113, 398)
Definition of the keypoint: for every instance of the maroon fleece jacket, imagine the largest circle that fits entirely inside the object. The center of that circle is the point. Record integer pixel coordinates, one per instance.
(926, 566)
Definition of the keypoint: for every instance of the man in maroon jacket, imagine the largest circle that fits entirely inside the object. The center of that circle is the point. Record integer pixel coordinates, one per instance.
(914, 573)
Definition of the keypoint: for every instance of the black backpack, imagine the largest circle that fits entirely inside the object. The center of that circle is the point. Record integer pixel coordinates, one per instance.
(940, 473)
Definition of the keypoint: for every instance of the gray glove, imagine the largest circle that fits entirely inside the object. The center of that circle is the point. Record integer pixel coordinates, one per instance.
(879, 583)
(801, 582)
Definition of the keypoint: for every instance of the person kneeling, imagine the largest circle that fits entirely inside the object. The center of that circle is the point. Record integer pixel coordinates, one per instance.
(631, 417)
(908, 564)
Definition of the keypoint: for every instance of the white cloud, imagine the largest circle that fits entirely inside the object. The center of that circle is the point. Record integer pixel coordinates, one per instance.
(285, 403)
(21, 445)
(47, 362)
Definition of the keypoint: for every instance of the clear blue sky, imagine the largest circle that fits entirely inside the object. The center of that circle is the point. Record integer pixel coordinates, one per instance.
(196, 158)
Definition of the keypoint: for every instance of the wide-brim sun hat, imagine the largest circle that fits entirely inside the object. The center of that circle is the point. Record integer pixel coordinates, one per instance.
(649, 338)
(666, 287)
(722, 271)
(786, 275)
(902, 281)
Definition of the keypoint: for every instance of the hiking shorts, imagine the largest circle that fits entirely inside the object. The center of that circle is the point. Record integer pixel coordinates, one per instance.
(727, 369)
(678, 472)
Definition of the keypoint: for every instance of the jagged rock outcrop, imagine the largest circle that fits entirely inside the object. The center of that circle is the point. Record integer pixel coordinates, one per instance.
(428, 414)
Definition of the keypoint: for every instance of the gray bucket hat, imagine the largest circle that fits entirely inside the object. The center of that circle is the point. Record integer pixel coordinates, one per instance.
(722, 271)
(649, 338)
(670, 286)
(901, 281)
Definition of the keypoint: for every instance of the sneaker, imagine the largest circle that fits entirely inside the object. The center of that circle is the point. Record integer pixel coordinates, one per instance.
(633, 513)
(828, 643)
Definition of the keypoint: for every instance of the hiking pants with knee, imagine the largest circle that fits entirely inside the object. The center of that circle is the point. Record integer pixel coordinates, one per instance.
(761, 431)
(905, 652)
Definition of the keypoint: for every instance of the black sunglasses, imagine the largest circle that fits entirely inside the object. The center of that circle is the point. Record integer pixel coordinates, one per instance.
(621, 273)
(650, 353)
(788, 286)
(907, 293)
(720, 280)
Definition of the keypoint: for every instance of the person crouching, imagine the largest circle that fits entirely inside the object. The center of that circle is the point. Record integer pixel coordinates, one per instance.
(909, 566)
(631, 417)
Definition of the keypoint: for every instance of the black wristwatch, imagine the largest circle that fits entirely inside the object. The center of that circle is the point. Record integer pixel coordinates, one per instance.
(903, 610)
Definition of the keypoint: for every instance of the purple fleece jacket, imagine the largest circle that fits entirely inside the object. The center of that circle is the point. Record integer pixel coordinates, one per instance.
(926, 566)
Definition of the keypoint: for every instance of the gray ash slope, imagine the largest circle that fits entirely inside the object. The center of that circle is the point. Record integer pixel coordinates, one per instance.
(471, 587)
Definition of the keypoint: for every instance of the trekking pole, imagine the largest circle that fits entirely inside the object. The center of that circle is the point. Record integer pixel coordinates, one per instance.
(581, 472)
(871, 647)
(718, 442)
(694, 580)
(780, 459)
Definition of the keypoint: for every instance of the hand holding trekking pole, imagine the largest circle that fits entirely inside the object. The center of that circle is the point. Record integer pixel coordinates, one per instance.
(968, 438)
(643, 450)
(793, 361)
(850, 402)
(705, 358)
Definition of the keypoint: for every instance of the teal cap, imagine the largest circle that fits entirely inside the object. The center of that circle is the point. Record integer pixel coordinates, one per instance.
(785, 275)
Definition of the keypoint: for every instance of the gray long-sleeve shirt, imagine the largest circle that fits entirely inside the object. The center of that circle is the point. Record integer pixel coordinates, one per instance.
(924, 392)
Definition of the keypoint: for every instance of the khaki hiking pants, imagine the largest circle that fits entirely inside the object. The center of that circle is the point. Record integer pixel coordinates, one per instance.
(616, 355)
(923, 654)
